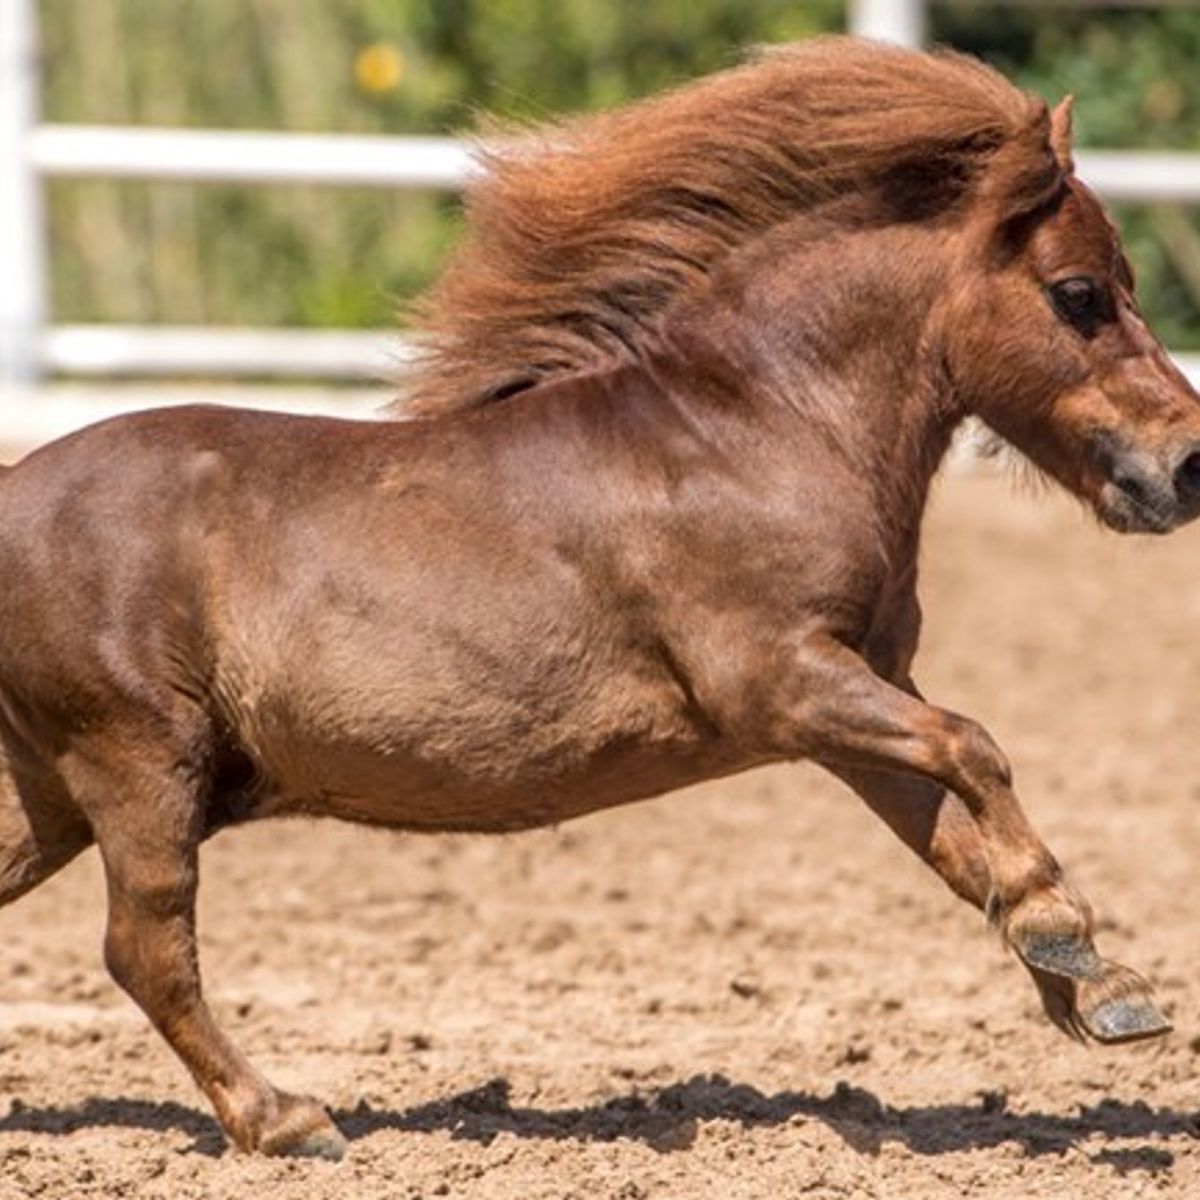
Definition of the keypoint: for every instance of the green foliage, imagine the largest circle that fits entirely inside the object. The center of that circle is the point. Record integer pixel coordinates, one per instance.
(311, 256)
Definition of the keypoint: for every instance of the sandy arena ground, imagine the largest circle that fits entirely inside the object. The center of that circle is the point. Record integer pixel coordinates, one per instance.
(745, 991)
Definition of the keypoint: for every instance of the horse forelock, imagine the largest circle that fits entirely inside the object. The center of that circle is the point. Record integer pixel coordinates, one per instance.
(580, 233)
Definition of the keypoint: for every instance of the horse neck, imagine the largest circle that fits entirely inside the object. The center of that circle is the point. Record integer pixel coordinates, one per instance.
(829, 344)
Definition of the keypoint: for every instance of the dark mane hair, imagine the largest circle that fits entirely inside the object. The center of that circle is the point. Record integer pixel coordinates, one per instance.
(581, 232)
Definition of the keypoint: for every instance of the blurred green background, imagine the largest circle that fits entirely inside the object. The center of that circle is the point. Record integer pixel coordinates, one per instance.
(175, 253)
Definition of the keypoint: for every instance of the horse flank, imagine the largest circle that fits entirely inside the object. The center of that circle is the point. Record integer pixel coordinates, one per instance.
(580, 233)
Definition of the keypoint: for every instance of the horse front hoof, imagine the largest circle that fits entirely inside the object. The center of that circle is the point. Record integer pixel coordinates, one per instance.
(1064, 955)
(1087, 996)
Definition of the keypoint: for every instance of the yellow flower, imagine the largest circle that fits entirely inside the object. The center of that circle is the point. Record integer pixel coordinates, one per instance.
(378, 68)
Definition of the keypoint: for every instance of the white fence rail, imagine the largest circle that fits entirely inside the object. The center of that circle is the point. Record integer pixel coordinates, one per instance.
(122, 351)
(233, 156)
(30, 153)
(901, 21)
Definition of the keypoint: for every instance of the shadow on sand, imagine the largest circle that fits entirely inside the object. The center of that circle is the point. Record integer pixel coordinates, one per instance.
(667, 1120)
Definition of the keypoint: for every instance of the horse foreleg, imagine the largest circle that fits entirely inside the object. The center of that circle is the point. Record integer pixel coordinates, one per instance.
(147, 821)
(860, 726)
(936, 825)
(933, 823)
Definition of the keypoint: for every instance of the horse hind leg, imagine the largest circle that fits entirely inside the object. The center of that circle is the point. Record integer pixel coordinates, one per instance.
(146, 807)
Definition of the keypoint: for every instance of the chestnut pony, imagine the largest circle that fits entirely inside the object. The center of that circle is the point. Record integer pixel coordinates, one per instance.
(654, 519)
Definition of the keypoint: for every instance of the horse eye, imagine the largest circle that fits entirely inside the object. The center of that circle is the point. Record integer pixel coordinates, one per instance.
(1079, 301)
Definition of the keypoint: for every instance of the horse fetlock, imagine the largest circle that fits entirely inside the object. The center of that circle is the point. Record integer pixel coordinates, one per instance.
(975, 756)
(1050, 927)
(1039, 905)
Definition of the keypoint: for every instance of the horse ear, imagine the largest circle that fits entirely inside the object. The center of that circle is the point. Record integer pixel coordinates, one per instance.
(1026, 171)
(1060, 133)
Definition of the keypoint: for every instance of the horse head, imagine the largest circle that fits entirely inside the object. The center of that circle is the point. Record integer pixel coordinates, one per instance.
(1050, 350)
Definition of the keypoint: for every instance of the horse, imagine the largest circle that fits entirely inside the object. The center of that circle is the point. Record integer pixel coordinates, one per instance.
(648, 514)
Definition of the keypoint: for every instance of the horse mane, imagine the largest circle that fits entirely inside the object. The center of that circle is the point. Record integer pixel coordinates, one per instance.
(581, 232)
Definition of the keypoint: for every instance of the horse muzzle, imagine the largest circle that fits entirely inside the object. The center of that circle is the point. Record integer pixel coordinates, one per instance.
(1147, 492)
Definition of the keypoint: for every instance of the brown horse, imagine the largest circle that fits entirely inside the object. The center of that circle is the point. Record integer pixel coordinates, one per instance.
(656, 521)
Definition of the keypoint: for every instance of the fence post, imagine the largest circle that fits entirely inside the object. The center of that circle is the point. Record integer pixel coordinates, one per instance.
(900, 21)
(22, 235)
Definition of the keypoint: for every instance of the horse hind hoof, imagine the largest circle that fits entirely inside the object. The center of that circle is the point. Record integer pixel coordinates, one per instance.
(1119, 1007)
(1125, 1021)
(328, 1144)
(302, 1129)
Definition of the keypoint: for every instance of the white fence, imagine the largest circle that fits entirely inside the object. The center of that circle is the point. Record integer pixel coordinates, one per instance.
(31, 346)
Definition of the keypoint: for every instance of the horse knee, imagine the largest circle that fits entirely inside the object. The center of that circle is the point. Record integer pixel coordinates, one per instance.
(973, 758)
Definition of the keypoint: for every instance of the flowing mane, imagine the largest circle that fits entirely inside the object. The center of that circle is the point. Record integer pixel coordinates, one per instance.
(581, 232)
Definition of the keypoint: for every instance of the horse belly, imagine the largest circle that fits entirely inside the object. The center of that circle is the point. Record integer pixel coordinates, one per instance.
(415, 744)
(408, 792)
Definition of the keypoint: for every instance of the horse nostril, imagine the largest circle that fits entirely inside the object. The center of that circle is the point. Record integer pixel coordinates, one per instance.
(1130, 484)
(1187, 477)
